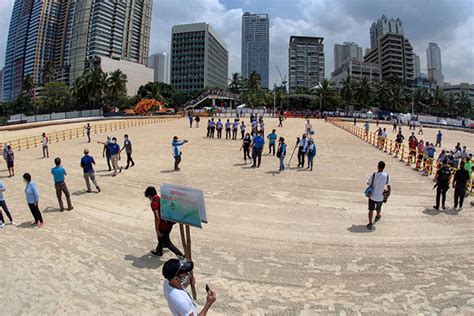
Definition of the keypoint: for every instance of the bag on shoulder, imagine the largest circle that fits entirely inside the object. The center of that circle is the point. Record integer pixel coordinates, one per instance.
(370, 189)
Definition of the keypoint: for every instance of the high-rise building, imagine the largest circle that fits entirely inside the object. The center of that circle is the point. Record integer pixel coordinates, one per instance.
(114, 29)
(256, 46)
(435, 70)
(417, 66)
(70, 33)
(347, 50)
(199, 57)
(391, 51)
(31, 43)
(384, 26)
(161, 67)
(1, 85)
(305, 62)
(356, 70)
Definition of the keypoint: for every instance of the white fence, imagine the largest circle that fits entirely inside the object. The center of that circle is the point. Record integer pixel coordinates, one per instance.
(21, 118)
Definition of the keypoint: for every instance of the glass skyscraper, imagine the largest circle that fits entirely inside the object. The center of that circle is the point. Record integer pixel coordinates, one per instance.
(70, 34)
(256, 46)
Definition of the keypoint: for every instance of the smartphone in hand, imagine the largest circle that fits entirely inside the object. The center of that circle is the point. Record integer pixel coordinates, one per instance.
(208, 289)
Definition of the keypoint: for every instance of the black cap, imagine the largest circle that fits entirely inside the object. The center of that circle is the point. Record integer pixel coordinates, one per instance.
(173, 267)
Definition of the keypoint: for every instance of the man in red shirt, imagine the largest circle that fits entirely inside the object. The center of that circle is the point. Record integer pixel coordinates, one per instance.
(163, 228)
(412, 143)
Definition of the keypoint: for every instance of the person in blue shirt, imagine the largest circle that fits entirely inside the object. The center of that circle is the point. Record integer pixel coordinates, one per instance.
(32, 198)
(228, 125)
(59, 174)
(281, 153)
(439, 138)
(257, 149)
(87, 164)
(272, 140)
(311, 153)
(176, 144)
(114, 149)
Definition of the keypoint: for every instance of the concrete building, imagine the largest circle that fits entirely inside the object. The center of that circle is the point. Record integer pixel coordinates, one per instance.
(305, 62)
(394, 54)
(416, 59)
(68, 33)
(435, 70)
(137, 74)
(384, 26)
(356, 70)
(115, 29)
(199, 57)
(161, 67)
(459, 88)
(256, 46)
(345, 51)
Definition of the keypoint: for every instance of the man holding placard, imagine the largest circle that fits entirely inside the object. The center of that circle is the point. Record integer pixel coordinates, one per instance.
(162, 227)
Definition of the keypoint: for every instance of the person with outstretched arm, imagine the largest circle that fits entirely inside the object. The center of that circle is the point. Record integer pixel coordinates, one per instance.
(176, 145)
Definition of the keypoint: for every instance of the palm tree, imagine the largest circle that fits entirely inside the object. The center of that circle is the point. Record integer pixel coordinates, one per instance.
(117, 84)
(397, 98)
(347, 92)
(28, 85)
(464, 104)
(421, 99)
(438, 102)
(254, 81)
(382, 93)
(364, 93)
(325, 91)
(235, 85)
(48, 72)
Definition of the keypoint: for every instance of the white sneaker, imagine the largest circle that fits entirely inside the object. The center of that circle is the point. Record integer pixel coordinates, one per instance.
(12, 223)
(2, 225)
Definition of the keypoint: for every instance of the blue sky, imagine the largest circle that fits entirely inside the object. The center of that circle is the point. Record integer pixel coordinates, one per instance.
(450, 23)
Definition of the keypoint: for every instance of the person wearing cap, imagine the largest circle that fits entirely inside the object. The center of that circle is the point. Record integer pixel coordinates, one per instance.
(177, 279)
(163, 228)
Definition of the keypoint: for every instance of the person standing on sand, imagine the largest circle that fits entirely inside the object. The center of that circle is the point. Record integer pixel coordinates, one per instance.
(460, 181)
(219, 128)
(88, 132)
(235, 128)
(272, 137)
(208, 128)
(106, 151)
(443, 175)
(302, 149)
(311, 154)
(177, 279)
(59, 174)
(32, 198)
(242, 129)
(115, 155)
(247, 141)
(377, 195)
(5, 151)
(281, 153)
(176, 144)
(280, 119)
(10, 161)
(227, 129)
(87, 164)
(162, 228)
(44, 145)
(213, 128)
(439, 138)
(127, 146)
(4, 206)
(257, 148)
(197, 119)
(190, 118)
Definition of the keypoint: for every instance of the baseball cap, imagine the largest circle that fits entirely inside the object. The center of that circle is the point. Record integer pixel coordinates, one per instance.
(173, 267)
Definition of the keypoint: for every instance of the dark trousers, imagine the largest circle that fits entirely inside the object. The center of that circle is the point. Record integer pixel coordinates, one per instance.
(88, 137)
(212, 132)
(177, 160)
(441, 194)
(234, 134)
(301, 155)
(227, 133)
(208, 132)
(61, 188)
(459, 194)
(242, 133)
(4, 206)
(271, 148)
(281, 124)
(165, 241)
(129, 160)
(257, 156)
(219, 133)
(35, 212)
(247, 154)
(108, 157)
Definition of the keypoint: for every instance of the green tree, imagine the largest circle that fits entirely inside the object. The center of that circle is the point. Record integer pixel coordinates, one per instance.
(116, 87)
(28, 85)
(382, 94)
(235, 85)
(397, 98)
(325, 91)
(364, 93)
(464, 105)
(54, 97)
(347, 92)
(421, 100)
(254, 82)
(49, 72)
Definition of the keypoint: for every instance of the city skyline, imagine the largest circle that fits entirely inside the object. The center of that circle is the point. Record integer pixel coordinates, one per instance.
(336, 22)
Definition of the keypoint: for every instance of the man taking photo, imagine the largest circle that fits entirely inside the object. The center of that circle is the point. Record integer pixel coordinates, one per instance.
(177, 279)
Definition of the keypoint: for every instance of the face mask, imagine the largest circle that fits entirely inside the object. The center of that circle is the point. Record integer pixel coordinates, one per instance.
(113, 142)
(185, 280)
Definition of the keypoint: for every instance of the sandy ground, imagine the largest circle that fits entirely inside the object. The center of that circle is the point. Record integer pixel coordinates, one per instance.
(276, 244)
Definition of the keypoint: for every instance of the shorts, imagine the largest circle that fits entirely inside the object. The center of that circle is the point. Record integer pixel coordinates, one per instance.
(10, 164)
(373, 205)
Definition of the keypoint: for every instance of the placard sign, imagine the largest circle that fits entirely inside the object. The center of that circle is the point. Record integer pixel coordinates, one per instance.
(182, 205)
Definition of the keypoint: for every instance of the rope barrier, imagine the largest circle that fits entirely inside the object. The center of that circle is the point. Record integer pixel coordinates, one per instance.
(412, 155)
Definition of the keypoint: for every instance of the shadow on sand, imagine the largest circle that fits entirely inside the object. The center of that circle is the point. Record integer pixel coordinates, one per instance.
(147, 261)
(360, 229)
(448, 211)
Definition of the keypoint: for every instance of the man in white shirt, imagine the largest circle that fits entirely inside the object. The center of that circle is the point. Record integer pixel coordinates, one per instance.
(177, 278)
(45, 143)
(378, 181)
(308, 128)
